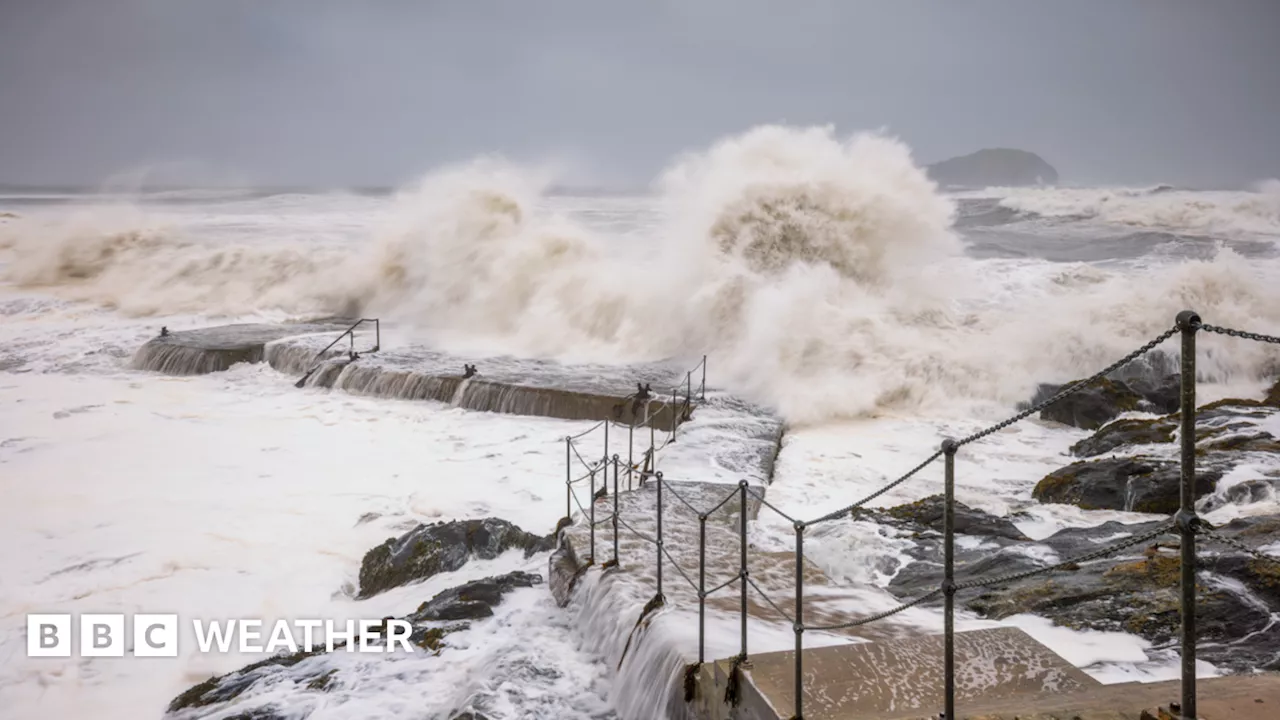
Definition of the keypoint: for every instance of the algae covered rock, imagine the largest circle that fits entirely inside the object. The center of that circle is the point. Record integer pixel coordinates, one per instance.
(1139, 592)
(428, 550)
(1093, 406)
(927, 514)
(1137, 484)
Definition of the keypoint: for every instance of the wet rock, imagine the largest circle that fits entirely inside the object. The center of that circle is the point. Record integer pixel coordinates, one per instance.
(1137, 484)
(1134, 389)
(1162, 395)
(1091, 407)
(1126, 433)
(225, 688)
(474, 600)
(1272, 398)
(1138, 590)
(309, 671)
(442, 547)
(928, 514)
(471, 715)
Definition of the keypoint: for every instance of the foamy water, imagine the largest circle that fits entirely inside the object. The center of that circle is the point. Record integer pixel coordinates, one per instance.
(823, 276)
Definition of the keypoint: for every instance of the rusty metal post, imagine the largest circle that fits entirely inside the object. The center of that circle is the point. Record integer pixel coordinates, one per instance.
(799, 626)
(1189, 323)
(658, 476)
(949, 448)
(742, 569)
(591, 516)
(702, 587)
(615, 510)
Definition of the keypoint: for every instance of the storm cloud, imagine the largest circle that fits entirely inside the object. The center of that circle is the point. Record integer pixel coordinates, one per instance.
(321, 92)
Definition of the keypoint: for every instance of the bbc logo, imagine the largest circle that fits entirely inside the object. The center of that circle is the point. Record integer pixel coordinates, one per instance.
(102, 636)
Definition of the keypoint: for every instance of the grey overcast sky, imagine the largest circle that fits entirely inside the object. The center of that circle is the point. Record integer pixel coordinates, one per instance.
(321, 92)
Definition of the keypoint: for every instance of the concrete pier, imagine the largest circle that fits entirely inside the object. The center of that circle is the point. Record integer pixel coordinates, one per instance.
(502, 384)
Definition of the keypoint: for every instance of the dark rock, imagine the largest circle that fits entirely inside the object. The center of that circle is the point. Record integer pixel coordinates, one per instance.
(471, 715)
(442, 547)
(1138, 590)
(928, 514)
(1125, 433)
(474, 600)
(1162, 396)
(1272, 398)
(994, 167)
(1259, 441)
(1135, 484)
(1090, 407)
(471, 601)
(228, 687)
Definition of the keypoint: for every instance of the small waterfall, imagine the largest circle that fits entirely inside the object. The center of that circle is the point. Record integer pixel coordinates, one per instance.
(338, 372)
(648, 682)
(292, 358)
(159, 355)
(462, 390)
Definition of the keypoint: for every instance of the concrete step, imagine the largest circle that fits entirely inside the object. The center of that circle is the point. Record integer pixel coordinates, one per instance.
(903, 678)
(1238, 697)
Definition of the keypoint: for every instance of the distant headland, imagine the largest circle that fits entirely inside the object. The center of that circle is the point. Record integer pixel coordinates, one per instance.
(1003, 167)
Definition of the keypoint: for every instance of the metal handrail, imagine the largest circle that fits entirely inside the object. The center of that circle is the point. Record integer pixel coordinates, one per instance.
(316, 363)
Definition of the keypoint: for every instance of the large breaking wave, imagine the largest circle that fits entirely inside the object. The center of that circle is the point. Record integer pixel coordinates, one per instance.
(821, 274)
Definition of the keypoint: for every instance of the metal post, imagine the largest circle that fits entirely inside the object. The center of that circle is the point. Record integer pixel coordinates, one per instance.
(605, 458)
(675, 419)
(659, 477)
(703, 390)
(377, 335)
(702, 586)
(799, 627)
(742, 569)
(631, 463)
(1189, 323)
(568, 474)
(688, 387)
(615, 508)
(591, 518)
(949, 448)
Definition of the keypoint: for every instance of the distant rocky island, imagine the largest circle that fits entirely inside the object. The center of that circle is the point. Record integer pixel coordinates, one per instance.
(1002, 167)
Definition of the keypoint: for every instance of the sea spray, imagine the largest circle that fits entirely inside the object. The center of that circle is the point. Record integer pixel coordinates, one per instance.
(822, 275)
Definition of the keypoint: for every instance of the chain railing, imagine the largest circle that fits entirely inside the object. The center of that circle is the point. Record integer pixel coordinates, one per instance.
(1184, 523)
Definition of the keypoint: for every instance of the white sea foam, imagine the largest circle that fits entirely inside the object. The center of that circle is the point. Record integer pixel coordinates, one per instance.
(1234, 214)
(821, 273)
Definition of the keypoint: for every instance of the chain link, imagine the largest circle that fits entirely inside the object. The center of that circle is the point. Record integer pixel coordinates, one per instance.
(1073, 388)
(1240, 334)
(848, 508)
(1093, 555)
(1202, 530)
